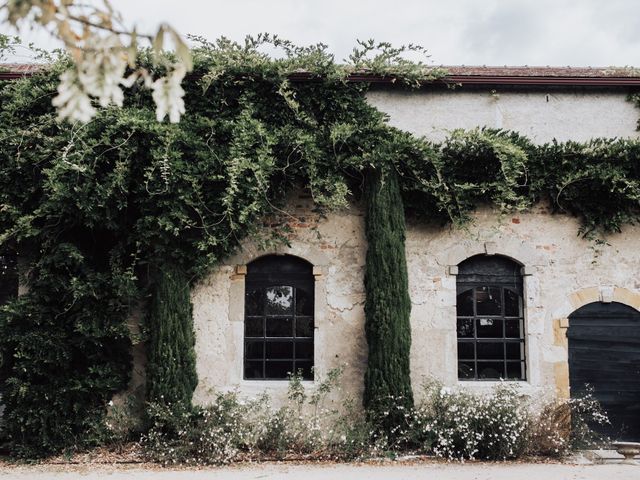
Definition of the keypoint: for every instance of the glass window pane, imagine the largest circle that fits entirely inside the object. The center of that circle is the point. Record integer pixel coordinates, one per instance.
(304, 302)
(307, 369)
(464, 303)
(515, 370)
(489, 328)
(278, 300)
(279, 327)
(465, 350)
(254, 304)
(490, 351)
(279, 350)
(253, 369)
(253, 327)
(465, 327)
(278, 369)
(515, 351)
(254, 350)
(513, 328)
(488, 301)
(466, 370)
(304, 350)
(304, 327)
(491, 369)
(511, 303)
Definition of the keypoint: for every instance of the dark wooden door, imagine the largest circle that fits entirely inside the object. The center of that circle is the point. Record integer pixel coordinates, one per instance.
(604, 353)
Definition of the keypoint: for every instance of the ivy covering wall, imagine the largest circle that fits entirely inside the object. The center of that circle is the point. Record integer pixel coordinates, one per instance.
(97, 210)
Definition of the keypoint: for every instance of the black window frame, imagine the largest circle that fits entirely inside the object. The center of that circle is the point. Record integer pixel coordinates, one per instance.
(267, 274)
(487, 274)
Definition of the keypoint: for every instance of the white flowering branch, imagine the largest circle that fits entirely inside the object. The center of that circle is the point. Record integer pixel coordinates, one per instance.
(95, 39)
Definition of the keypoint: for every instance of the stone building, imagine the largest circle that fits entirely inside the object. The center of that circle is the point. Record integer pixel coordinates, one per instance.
(509, 297)
(519, 298)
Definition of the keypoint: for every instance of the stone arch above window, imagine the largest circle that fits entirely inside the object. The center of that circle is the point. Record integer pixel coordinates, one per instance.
(279, 318)
(490, 319)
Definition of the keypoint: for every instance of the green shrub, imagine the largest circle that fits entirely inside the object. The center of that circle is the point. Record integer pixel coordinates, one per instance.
(500, 424)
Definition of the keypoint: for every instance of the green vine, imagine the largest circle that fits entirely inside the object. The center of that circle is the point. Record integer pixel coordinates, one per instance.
(96, 210)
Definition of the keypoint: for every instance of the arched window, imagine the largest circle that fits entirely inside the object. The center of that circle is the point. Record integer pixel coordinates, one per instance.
(490, 319)
(278, 318)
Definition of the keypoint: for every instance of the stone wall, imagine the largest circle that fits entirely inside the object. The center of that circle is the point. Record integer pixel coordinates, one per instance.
(562, 270)
(562, 273)
(336, 246)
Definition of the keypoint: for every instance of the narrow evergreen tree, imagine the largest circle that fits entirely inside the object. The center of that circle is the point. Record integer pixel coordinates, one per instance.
(171, 371)
(388, 306)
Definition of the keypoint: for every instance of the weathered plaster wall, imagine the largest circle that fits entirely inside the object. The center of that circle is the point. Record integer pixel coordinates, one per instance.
(336, 248)
(562, 272)
(541, 115)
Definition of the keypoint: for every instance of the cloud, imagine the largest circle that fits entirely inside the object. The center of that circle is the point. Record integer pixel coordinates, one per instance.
(472, 32)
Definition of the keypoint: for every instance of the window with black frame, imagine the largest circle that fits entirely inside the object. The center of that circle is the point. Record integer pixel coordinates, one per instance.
(8, 276)
(490, 319)
(278, 319)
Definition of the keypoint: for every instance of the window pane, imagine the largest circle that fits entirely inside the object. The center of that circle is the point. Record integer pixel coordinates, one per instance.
(279, 350)
(254, 350)
(464, 303)
(491, 369)
(304, 302)
(253, 304)
(278, 369)
(304, 350)
(278, 300)
(304, 327)
(489, 328)
(307, 369)
(253, 327)
(466, 370)
(253, 369)
(465, 327)
(488, 301)
(511, 303)
(513, 328)
(515, 370)
(465, 350)
(515, 351)
(490, 351)
(279, 327)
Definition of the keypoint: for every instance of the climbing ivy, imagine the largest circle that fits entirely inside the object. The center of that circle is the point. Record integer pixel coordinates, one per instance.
(97, 210)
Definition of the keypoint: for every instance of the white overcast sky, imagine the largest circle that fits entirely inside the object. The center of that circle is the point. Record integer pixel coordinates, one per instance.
(456, 32)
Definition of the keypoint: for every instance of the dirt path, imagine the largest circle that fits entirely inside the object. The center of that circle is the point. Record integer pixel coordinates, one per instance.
(273, 471)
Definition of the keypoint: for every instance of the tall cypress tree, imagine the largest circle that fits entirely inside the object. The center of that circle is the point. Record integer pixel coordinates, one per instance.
(171, 372)
(388, 306)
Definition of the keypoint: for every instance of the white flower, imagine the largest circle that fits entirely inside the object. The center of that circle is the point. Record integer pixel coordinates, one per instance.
(167, 94)
(72, 101)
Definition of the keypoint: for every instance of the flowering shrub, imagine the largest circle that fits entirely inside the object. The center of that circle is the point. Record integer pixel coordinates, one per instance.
(463, 425)
(452, 424)
(232, 428)
(501, 424)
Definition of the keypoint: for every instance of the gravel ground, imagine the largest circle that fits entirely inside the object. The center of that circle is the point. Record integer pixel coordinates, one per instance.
(290, 471)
